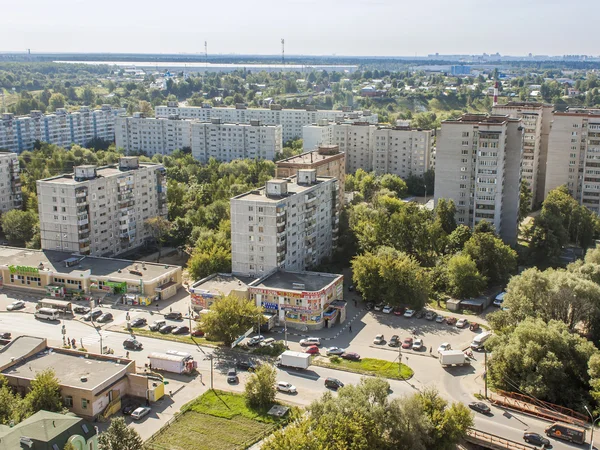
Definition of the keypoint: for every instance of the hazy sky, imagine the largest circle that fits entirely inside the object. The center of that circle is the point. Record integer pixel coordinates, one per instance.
(318, 27)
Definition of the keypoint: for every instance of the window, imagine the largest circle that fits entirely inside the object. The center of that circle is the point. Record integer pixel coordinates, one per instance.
(250, 208)
(251, 229)
(69, 401)
(84, 403)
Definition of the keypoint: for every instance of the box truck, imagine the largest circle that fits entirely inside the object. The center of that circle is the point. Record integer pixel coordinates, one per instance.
(171, 363)
(453, 358)
(296, 360)
(479, 340)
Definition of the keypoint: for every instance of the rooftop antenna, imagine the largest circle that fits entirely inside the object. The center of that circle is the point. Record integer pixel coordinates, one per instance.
(282, 51)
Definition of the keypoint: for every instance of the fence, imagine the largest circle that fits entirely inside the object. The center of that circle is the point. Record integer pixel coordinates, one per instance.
(494, 442)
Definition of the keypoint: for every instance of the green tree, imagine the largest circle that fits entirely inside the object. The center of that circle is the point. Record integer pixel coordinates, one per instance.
(260, 387)
(44, 393)
(159, 228)
(19, 226)
(464, 280)
(206, 261)
(445, 212)
(394, 183)
(69, 446)
(525, 196)
(494, 259)
(56, 101)
(229, 317)
(11, 405)
(119, 436)
(88, 96)
(458, 238)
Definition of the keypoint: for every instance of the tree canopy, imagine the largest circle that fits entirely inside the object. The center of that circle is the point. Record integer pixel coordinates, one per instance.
(120, 436)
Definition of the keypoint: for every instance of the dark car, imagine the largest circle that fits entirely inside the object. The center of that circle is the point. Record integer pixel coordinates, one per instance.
(166, 329)
(80, 309)
(181, 330)
(369, 306)
(351, 287)
(394, 341)
(232, 376)
(536, 439)
(420, 314)
(246, 365)
(106, 317)
(92, 315)
(451, 320)
(351, 356)
(132, 344)
(333, 383)
(174, 316)
(128, 409)
(138, 322)
(399, 310)
(480, 407)
(5, 335)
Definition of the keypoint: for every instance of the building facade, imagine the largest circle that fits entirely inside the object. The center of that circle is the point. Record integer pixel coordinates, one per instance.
(291, 120)
(101, 211)
(291, 224)
(10, 182)
(574, 155)
(62, 128)
(478, 160)
(152, 136)
(536, 118)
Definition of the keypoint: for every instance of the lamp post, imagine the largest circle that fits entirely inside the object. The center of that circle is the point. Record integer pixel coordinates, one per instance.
(399, 359)
(210, 357)
(593, 426)
(425, 195)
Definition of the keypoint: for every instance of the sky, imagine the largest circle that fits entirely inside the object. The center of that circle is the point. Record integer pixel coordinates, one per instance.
(312, 27)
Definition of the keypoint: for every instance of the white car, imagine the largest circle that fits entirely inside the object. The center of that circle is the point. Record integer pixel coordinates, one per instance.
(17, 304)
(409, 313)
(462, 323)
(379, 339)
(417, 344)
(499, 299)
(284, 386)
(378, 306)
(310, 341)
(255, 340)
(140, 412)
(443, 347)
(335, 351)
(387, 309)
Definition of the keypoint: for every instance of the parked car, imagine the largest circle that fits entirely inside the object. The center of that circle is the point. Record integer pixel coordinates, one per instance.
(369, 306)
(198, 333)
(451, 321)
(443, 347)
(255, 340)
(93, 315)
(499, 299)
(132, 344)
(232, 376)
(480, 407)
(399, 310)
(536, 439)
(166, 329)
(379, 306)
(474, 326)
(335, 351)
(418, 344)
(379, 340)
(128, 409)
(440, 319)
(430, 315)
(462, 323)
(174, 316)
(17, 304)
(310, 341)
(157, 325)
(138, 322)
(5, 335)
(409, 313)
(80, 309)
(333, 383)
(351, 288)
(284, 386)
(394, 341)
(407, 342)
(351, 356)
(140, 412)
(246, 365)
(106, 317)
(312, 350)
(420, 314)
(387, 309)
(181, 330)
(267, 342)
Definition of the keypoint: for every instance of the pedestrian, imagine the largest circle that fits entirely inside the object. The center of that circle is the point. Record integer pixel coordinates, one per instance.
(430, 350)
(127, 355)
(355, 304)
(350, 328)
(170, 309)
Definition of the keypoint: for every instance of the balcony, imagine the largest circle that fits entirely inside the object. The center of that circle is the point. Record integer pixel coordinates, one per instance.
(280, 229)
(84, 249)
(81, 200)
(124, 236)
(310, 200)
(80, 194)
(82, 222)
(84, 240)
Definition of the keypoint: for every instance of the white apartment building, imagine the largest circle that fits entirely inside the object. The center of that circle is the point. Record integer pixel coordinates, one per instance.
(291, 120)
(10, 182)
(291, 224)
(152, 136)
(100, 211)
(536, 118)
(478, 161)
(61, 127)
(574, 155)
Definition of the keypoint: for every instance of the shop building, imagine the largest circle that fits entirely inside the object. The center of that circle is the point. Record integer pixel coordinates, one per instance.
(205, 292)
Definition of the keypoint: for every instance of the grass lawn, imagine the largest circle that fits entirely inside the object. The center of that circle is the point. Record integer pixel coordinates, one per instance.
(186, 339)
(215, 421)
(367, 366)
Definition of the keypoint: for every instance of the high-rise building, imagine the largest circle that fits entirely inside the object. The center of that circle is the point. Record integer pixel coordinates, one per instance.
(152, 136)
(290, 224)
(61, 127)
(10, 182)
(478, 161)
(101, 211)
(574, 155)
(536, 118)
(291, 120)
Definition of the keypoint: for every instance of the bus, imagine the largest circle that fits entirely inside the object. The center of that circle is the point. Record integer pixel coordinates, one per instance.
(47, 314)
(566, 432)
(59, 305)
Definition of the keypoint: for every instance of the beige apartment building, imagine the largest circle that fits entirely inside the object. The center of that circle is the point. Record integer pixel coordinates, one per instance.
(478, 161)
(536, 118)
(10, 182)
(100, 211)
(291, 224)
(574, 155)
(152, 136)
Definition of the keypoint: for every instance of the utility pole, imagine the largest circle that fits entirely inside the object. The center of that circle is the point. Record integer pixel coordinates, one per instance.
(399, 359)
(485, 371)
(593, 426)
(211, 372)
(282, 51)
(285, 329)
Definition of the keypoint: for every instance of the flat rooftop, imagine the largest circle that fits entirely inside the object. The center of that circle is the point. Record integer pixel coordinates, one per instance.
(308, 158)
(483, 119)
(54, 261)
(101, 172)
(290, 281)
(17, 348)
(259, 195)
(222, 283)
(521, 105)
(69, 368)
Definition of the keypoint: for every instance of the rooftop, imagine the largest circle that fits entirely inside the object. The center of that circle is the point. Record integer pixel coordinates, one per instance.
(522, 105)
(19, 347)
(87, 266)
(259, 195)
(221, 283)
(293, 281)
(102, 172)
(313, 157)
(481, 119)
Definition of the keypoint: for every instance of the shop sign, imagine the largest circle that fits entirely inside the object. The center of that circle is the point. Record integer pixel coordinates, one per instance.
(23, 269)
(268, 305)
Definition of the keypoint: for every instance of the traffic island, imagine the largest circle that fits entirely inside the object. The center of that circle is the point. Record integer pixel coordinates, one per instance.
(184, 338)
(367, 366)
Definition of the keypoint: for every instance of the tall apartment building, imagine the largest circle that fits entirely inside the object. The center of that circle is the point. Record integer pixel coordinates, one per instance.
(61, 127)
(478, 161)
(100, 211)
(10, 182)
(291, 120)
(574, 155)
(536, 118)
(328, 161)
(152, 136)
(290, 224)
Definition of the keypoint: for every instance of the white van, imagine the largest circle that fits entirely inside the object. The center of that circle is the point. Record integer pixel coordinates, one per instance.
(499, 299)
(480, 339)
(47, 314)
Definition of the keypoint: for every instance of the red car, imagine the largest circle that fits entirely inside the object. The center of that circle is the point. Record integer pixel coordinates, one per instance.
(312, 350)
(399, 311)
(198, 333)
(407, 343)
(451, 320)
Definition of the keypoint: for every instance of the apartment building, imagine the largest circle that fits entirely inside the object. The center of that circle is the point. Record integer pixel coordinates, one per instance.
(100, 211)
(574, 155)
(61, 127)
(152, 136)
(328, 161)
(291, 120)
(536, 118)
(478, 160)
(10, 182)
(290, 224)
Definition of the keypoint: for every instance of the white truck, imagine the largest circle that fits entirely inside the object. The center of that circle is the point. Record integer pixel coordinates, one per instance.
(171, 363)
(453, 358)
(480, 339)
(296, 360)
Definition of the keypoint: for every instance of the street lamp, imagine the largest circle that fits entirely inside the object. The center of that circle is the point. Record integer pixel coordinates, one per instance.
(593, 425)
